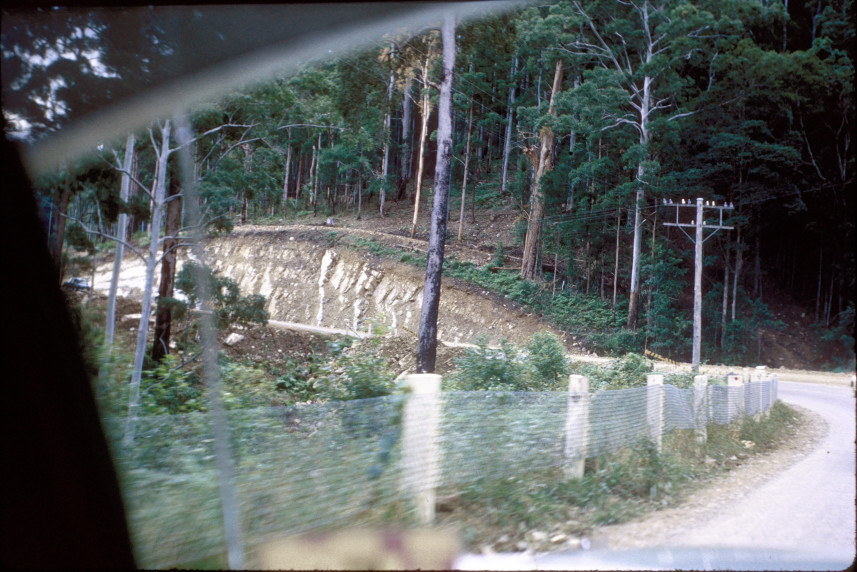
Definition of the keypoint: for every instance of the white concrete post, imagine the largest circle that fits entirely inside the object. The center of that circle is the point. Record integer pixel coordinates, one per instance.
(655, 408)
(700, 407)
(577, 426)
(759, 377)
(420, 448)
(735, 407)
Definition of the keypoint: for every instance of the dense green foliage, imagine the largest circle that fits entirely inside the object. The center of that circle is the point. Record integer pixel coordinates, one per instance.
(745, 102)
(229, 306)
(358, 373)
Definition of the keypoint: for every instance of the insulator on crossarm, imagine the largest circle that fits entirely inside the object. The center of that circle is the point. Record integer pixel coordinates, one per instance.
(682, 201)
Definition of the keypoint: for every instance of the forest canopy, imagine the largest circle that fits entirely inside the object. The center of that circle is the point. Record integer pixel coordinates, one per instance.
(585, 116)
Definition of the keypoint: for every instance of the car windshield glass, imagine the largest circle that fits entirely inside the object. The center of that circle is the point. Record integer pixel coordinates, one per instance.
(249, 209)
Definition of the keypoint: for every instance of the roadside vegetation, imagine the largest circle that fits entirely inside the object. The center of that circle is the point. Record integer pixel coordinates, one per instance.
(543, 511)
(547, 511)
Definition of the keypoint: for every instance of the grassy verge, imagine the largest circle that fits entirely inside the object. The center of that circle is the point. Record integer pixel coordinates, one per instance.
(545, 510)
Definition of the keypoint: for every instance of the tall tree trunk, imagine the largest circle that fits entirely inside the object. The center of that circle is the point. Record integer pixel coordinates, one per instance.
(132, 192)
(286, 175)
(164, 317)
(121, 230)
(616, 262)
(151, 260)
(359, 197)
(645, 109)
(223, 458)
(248, 153)
(586, 261)
(427, 343)
(405, 152)
(298, 179)
(387, 133)
(466, 165)
(542, 164)
(426, 110)
(311, 176)
(651, 280)
(556, 261)
(739, 262)
(634, 303)
(507, 143)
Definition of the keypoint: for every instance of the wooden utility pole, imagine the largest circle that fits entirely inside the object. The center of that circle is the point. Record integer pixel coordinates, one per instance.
(699, 224)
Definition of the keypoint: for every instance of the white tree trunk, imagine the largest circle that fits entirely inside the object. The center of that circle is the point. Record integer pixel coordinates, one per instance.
(121, 231)
(464, 178)
(426, 110)
(645, 110)
(158, 193)
(507, 144)
(387, 135)
(286, 176)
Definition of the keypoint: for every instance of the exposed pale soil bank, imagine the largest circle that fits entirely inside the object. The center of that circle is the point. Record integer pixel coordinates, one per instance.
(310, 280)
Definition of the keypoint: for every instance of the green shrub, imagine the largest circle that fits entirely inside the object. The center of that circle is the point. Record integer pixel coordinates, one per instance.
(170, 389)
(622, 373)
(296, 380)
(356, 374)
(838, 341)
(229, 306)
(245, 386)
(487, 368)
(549, 366)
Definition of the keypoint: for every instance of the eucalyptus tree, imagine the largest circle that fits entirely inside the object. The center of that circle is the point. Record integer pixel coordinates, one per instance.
(540, 31)
(417, 58)
(427, 343)
(163, 149)
(121, 229)
(637, 42)
(480, 100)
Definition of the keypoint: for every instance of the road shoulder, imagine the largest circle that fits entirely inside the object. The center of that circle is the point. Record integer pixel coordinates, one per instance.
(712, 495)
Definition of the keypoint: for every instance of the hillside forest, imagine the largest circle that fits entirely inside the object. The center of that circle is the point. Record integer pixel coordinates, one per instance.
(587, 120)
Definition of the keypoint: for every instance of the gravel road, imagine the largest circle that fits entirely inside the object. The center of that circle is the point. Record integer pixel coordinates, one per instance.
(810, 506)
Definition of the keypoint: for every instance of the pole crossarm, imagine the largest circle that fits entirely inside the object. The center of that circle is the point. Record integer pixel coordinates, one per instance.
(699, 225)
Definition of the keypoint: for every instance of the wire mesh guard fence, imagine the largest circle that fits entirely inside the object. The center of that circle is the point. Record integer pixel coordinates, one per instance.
(308, 466)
